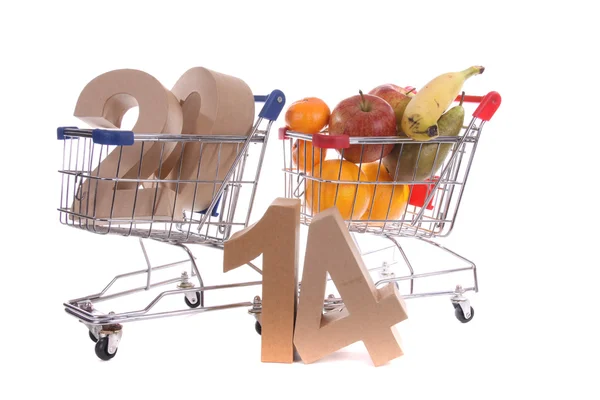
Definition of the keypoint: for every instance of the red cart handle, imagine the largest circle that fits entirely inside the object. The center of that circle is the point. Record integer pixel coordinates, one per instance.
(321, 141)
(469, 99)
(488, 106)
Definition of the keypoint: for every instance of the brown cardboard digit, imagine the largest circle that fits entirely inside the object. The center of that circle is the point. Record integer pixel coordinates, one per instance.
(275, 236)
(103, 103)
(369, 314)
(149, 203)
(220, 105)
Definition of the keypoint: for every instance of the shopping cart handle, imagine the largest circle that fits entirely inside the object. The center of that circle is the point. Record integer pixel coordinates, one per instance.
(112, 137)
(488, 106)
(274, 103)
(60, 131)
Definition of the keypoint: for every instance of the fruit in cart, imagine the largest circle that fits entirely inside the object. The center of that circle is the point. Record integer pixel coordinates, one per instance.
(363, 115)
(303, 150)
(396, 96)
(351, 199)
(420, 117)
(417, 161)
(387, 201)
(308, 115)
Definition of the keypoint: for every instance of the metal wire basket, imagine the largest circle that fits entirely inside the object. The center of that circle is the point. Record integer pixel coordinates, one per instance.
(421, 200)
(142, 207)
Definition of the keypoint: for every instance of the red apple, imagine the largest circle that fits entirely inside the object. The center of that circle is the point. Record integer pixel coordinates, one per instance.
(363, 115)
(397, 97)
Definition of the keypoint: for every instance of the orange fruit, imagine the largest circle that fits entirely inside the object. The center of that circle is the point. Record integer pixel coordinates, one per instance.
(308, 115)
(384, 197)
(304, 150)
(322, 195)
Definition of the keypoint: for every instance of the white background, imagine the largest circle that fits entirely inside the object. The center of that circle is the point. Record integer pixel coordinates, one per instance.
(528, 217)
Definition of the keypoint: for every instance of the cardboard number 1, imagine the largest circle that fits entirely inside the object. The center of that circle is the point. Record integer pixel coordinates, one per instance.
(369, 314)
(276, 236)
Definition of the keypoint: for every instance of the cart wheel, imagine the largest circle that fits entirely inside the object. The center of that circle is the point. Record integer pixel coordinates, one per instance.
(258, 328)
(102, 349)
(193, 305)
(94, 338)
(460, 315)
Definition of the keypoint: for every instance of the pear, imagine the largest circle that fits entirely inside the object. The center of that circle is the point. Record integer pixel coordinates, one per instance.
(402, 162)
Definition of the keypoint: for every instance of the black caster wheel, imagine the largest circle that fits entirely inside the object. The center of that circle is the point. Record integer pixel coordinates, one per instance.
(258, 327)
(460, 315)
(102, 349)
(193, 305)
(94, 338)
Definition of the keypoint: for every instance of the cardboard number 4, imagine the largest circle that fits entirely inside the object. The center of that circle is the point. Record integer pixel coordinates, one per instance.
(276, 236)
(369, 313)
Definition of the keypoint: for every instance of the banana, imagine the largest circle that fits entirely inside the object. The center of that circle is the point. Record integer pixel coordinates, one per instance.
(421, 115)
(414, 162)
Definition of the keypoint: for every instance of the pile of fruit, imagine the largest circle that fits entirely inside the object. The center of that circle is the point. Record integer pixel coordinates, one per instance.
(387, 110)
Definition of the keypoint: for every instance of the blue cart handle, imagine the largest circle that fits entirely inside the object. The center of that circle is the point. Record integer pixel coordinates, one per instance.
(112, 137)
(274, 103)
(99, 136)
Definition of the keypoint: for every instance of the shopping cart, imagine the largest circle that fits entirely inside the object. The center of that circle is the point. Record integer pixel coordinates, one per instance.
(425, 195)
(229, 210)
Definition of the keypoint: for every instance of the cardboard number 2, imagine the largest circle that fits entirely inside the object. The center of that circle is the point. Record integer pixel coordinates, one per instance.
(369, 313)
(103, 103)
(105, 100)
(276, 236)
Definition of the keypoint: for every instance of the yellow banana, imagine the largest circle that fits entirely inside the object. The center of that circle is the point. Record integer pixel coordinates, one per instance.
(419, 121)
